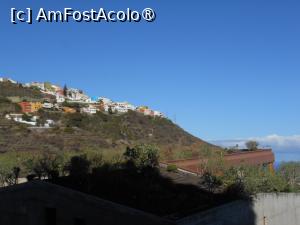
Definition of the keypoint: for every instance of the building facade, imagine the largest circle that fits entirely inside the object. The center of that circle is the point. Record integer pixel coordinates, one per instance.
(30, 107)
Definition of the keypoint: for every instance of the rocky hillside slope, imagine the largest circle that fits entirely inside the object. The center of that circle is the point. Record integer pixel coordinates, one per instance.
(79, 132)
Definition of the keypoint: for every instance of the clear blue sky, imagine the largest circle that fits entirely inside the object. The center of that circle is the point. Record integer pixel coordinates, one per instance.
(226, 69)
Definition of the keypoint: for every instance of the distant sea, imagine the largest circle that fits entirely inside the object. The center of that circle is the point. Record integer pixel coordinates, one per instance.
(286, 157)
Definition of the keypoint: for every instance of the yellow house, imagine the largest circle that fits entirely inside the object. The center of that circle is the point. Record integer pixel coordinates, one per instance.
(36, 106)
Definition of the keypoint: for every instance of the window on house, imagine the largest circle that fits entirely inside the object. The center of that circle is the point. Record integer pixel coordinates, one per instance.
(50, 216)
(79, 221)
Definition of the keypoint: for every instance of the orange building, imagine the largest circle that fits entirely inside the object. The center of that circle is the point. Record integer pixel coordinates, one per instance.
(30, 107)
(69, 110)
(142, 109)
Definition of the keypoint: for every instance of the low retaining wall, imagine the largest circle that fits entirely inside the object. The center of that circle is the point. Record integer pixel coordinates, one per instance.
(265, 209)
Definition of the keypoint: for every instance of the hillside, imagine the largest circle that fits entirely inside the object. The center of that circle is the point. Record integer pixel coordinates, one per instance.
(80, 132)
(18, 92)
(100, 124)
(6, 106)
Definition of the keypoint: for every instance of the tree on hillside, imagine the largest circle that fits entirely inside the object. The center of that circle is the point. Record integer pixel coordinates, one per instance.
(110, 111)
(14, 177)
(65, 90)
(79, 166)
(142, 156)
(48, 165)
(252, 145)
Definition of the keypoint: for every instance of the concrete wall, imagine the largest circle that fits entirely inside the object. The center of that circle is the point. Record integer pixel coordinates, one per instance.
(265, 209)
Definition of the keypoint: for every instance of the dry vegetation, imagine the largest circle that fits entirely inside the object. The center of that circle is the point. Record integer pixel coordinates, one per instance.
(8, 89)
(79, 132)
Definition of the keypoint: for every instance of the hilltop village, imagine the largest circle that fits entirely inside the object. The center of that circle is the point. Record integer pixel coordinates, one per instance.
(67, 100)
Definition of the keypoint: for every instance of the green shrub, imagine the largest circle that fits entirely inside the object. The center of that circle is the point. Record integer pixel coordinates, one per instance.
(254, 180)
(69, 130)
(172, 168)
(211, 182)
(290, 171)
(143, 156)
